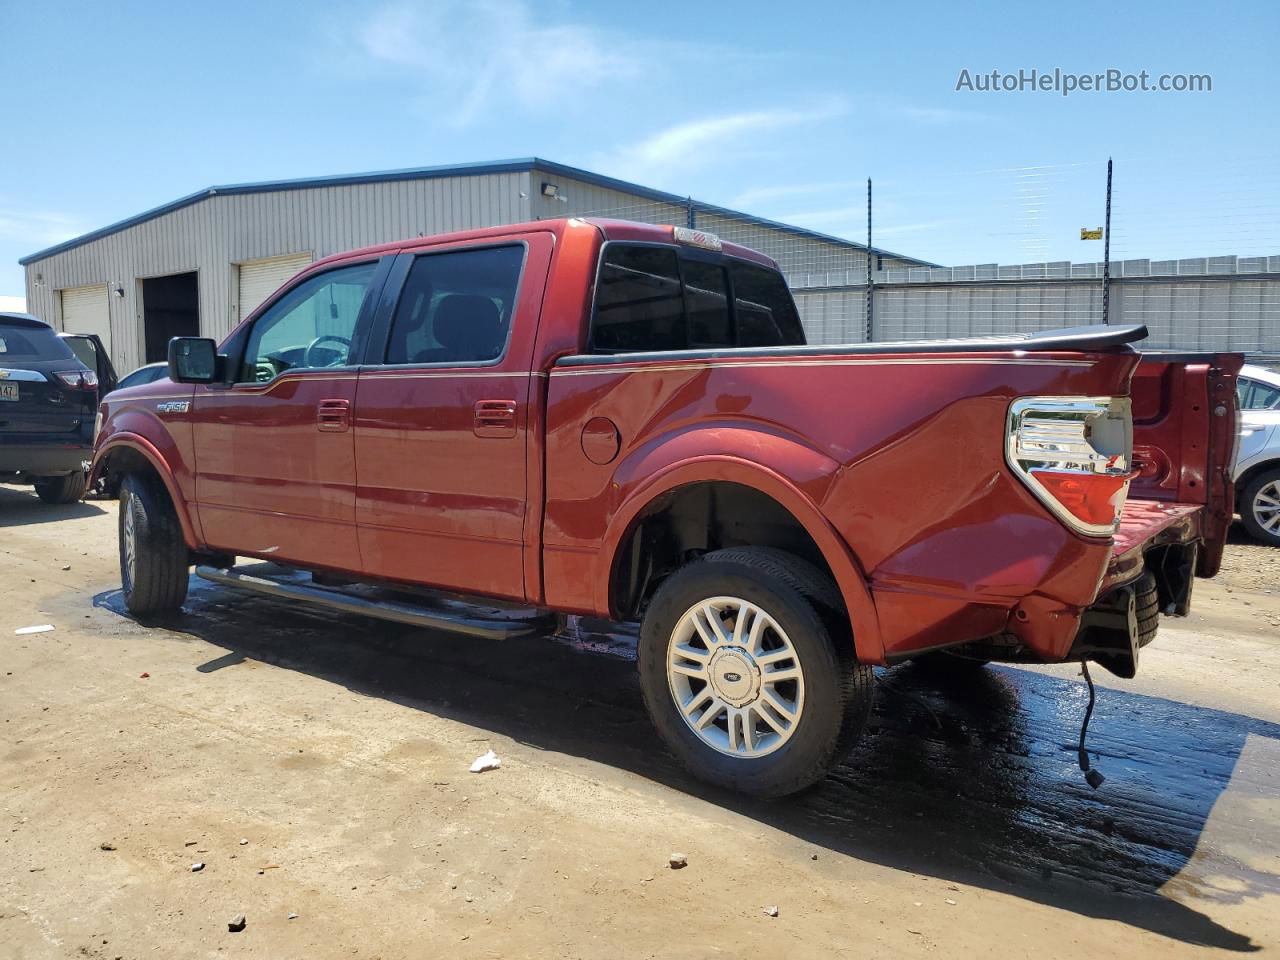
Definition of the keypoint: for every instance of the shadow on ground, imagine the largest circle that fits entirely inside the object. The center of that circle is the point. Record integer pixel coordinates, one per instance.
(971, 781)
(1237, 535)
(20, 506)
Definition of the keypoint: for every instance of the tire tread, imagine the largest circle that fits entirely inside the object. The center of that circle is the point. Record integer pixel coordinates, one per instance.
(161, 569)
(69, 488)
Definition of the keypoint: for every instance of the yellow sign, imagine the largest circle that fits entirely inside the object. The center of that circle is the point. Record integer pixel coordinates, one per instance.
(1087, 234)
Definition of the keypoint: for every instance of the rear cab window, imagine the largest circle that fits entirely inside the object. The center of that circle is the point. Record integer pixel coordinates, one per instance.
(23, 342)
(653, 297)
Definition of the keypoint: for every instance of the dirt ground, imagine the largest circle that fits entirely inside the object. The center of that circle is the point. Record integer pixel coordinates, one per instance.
(317, 766)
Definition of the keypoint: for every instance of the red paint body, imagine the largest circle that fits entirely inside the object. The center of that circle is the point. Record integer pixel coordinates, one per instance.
(507, 481)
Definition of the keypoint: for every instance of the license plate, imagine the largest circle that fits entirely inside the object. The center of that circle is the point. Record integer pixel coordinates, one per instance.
(8, 391)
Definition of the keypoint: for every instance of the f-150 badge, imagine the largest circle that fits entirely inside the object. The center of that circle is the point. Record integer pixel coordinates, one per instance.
(173, 406)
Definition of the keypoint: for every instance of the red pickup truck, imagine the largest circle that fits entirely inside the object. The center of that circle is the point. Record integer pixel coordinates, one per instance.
(624, 420)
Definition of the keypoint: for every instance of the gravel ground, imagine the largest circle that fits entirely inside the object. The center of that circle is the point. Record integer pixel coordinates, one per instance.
(1249, 564)
(1249, 568)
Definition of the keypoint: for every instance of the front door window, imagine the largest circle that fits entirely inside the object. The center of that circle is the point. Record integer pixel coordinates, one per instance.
(311, 326)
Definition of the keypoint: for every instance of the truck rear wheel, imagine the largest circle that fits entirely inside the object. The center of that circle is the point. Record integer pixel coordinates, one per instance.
(742, 673)
(68, 488)
(153, 555)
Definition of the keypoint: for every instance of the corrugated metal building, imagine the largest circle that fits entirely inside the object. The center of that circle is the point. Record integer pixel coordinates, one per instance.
(201, 263)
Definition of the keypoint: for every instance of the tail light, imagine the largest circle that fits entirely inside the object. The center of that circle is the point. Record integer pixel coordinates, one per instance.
(1074, 455)
(78, 379)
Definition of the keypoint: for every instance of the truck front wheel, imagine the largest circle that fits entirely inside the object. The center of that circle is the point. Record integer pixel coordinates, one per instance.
(153, 555)
(742, 673)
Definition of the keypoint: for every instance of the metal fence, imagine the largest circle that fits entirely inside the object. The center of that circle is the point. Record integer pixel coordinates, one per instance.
(1222, 302)
(1201, 304)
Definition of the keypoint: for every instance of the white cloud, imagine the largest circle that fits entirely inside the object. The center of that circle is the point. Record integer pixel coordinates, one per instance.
(702, 143)
(13, 304)
(472, 55)
(924, 226)
(758, 195)
(940, 116)
(851, 221)
(37, 228)
(827, 216)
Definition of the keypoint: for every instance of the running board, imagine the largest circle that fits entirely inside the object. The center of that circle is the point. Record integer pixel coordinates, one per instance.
(489, 629)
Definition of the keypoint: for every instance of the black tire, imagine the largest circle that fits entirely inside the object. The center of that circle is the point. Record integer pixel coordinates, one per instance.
(155, 581)
(1146, 607)
(838, 691)
(65, 489)
(1249, 509)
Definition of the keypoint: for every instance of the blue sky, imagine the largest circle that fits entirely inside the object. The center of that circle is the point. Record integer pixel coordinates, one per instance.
(779, 109)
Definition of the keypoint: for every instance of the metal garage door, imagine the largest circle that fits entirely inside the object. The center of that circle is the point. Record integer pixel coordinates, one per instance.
(259, 279)
(84, 310)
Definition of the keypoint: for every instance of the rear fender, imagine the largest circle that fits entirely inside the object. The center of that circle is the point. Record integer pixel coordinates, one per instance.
(758, 473)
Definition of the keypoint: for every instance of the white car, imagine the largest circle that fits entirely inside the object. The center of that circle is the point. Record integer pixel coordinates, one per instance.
(1257, 471)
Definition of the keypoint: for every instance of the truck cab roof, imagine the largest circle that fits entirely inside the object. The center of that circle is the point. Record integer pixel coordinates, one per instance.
(627, 230)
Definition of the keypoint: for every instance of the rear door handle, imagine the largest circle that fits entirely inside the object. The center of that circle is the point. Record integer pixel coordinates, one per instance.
(495, 418)
(333, 416)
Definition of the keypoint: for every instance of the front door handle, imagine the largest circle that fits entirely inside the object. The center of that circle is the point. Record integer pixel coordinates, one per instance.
(495, 418)
(333, 416)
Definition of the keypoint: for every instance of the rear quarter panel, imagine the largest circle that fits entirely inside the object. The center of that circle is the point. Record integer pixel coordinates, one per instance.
(901, 455)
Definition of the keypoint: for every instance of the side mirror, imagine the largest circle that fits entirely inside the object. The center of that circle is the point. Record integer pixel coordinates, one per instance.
(193, 360)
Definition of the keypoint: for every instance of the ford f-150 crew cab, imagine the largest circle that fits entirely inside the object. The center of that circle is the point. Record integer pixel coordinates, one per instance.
(625, 421)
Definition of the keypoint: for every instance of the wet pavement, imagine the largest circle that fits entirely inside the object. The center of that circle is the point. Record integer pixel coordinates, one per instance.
(967, 777)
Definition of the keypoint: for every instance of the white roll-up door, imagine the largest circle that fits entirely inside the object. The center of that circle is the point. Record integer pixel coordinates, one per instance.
(85, 310)
(259, 279)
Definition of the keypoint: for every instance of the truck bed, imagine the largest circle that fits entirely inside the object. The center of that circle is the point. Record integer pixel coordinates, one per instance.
(1145, 525)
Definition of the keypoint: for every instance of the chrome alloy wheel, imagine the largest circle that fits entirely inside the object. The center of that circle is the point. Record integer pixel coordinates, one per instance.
(129, 542)
(735, 677)
(1266, 507)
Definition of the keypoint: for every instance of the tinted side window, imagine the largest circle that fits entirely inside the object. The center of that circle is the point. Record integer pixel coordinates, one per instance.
(766, 313)
(84, 350)
(456, 307)
(638, 301)
(313, 325)
(706, 291)
(1263, 396)
(1244, 393)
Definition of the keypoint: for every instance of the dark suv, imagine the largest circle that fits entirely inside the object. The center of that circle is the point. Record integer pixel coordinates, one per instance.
(48, 399)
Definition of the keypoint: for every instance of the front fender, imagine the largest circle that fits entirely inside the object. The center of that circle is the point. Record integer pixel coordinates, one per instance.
(794, 493)
(125, 440)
